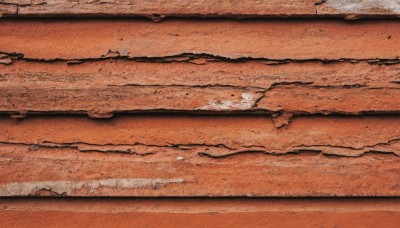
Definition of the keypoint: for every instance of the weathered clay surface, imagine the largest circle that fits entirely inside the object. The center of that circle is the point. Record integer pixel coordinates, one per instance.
(308, 99)
(200, 213)
(211, 135)
(276, 40)
(7, 9)
(101, 88)
(192, 170)
(154, 155)
(30, 170)
(353, 9)
(200, 205)
(158, 9)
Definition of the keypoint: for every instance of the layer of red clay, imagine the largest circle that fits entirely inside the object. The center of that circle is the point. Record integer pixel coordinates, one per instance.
(183, 171)
(195, 213)
(347, 135)
(158, 9)
(94, 38)
(189, 155)
(102, 88)
(192, 71)
(255, 219)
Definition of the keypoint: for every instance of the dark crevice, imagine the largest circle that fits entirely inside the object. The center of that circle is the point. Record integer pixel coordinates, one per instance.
(206, 150)
(189, 58)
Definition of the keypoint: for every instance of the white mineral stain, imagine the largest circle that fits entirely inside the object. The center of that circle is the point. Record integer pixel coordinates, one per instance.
(246, 102)
(69, 187)
(358, 6)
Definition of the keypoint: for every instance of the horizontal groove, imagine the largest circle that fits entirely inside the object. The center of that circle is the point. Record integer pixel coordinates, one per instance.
(193, 58)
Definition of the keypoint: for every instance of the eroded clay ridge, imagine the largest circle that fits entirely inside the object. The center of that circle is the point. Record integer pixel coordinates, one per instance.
(199, 205)
(202, 212)
(273, 40)
(28, 171)
(120, 85)
(158, 9)
(154, 155)
(214, 136)
(100, 67)
(102, 88)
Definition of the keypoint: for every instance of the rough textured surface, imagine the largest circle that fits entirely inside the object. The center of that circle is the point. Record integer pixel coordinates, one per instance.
(102, 67)
(37, 170)
(101, 88)
(200, 213)
(259, 39)
(229, 113)
(222, 135)
(158, 9)
(7, 10)
(194, 156)
(353, 9)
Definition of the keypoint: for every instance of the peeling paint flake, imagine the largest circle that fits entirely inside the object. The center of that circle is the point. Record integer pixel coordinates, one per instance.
(69, 187)
(247, 102)
(360, 6)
